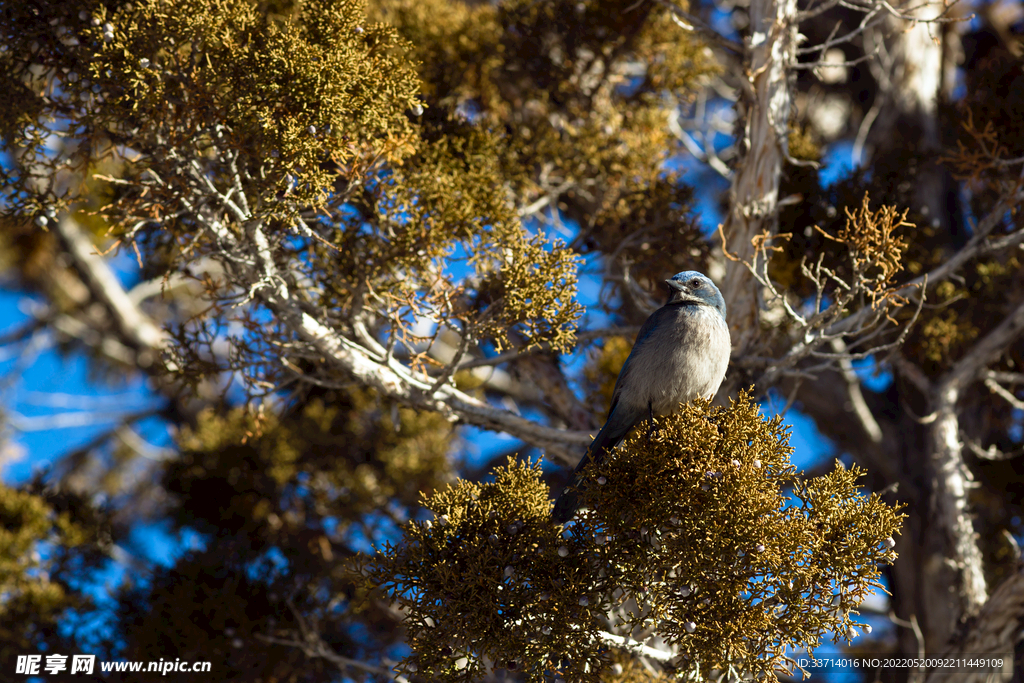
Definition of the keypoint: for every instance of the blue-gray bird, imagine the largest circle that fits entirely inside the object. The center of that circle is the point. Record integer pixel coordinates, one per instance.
(681, 352)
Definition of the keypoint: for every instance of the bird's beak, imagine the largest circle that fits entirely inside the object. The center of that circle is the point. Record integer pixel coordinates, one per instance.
(674, 284)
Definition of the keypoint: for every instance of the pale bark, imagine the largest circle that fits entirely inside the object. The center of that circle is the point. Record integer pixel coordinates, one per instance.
(754, 194)
(955, 584)
(910, 81)
(993, 634)
(135, 326)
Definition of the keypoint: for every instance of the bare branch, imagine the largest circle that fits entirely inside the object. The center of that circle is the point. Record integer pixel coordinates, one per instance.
(73, 419)
(636, 647)
(816, 325)
(860, 406)
(366, 360)
(449, 369)
(133, 323)
(992, 634)
(832, 41)
(991, 453)
(968, 368)
(707, 154)
(319, 650)
(913, 291)
(1007, 377)
(813, 11)
(998, 389)
(689, 22)
(313, 646)
(582, 338)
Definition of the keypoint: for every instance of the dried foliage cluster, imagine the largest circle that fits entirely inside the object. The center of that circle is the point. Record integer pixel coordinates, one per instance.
(984, 150)
(875, 251)
(699, 532)
(857, 267)
(947, 315)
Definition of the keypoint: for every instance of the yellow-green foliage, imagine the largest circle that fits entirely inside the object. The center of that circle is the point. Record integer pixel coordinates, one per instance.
(485, 578)
(266, 81)
(177, 69)
(701, 530)
(449, 193)
(24, 520)
(559, 80)
(802, 144)
(27, 526)
(346, 446)
(315, 112)
(962, 311)
(633, 671)
(456, 44)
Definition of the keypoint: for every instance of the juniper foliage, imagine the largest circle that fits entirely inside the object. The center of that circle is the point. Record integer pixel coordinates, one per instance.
(699, 532)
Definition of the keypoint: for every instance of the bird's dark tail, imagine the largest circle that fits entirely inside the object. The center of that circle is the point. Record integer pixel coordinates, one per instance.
(567, 502)
(565, 506)
(614, 430)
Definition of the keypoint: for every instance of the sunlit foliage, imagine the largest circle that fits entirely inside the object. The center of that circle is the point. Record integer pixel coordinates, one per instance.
(699, 530)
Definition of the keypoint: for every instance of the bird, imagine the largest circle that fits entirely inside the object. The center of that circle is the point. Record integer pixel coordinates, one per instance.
(681, 352)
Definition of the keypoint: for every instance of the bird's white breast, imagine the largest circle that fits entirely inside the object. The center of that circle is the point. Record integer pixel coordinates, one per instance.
(693, 355)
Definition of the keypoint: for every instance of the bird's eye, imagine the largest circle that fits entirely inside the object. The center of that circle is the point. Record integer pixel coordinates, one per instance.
(695, 283)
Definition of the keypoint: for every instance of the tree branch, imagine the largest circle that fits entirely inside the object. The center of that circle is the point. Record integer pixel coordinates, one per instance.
(968, 368)
(688, 22)
(952, 478)
(754, 193)
(252, 263)
(132, 322)
(993, 634)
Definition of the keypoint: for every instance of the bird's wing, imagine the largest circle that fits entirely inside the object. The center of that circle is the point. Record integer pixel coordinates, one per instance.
(642, 337)
(615, 429)
(622, 417)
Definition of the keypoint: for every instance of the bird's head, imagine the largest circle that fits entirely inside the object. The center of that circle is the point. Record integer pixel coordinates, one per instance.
(695, 288)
